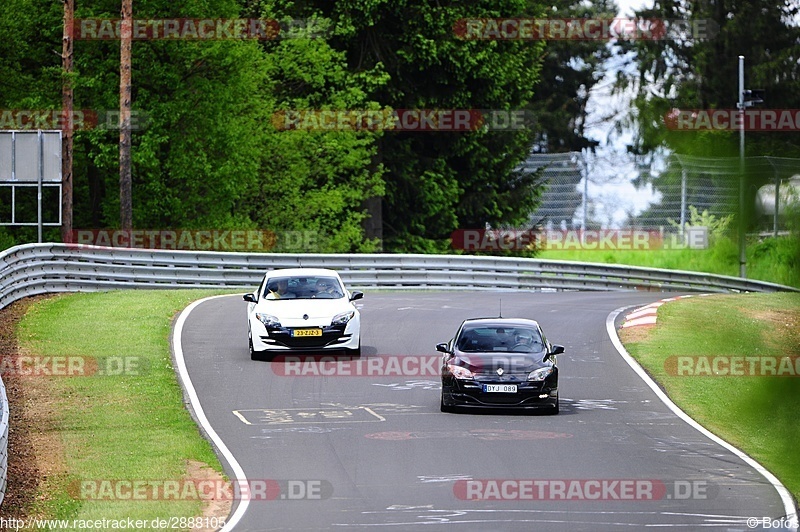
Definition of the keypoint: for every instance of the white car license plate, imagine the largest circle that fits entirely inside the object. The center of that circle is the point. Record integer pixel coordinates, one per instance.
(307, 332)
(500, 388)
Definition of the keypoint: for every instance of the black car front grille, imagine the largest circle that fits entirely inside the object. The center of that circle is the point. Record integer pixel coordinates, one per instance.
(470, 392)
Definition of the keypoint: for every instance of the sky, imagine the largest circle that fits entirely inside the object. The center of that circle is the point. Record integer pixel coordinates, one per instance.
(611, 169)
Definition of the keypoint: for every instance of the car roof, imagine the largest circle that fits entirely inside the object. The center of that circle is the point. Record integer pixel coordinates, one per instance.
(302, 272)
(504, 322)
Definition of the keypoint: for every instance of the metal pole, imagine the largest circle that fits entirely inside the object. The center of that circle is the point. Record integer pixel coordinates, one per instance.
(39, 185)
(585, 202)
(777, 202)
(683, 201)
(742, 225)
(13, 156)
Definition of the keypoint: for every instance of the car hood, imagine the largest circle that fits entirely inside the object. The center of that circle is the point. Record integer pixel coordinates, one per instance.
(510, 363)
(295, 309)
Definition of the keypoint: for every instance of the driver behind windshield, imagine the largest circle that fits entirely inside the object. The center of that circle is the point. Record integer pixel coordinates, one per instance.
(280, 289)
(524, 342)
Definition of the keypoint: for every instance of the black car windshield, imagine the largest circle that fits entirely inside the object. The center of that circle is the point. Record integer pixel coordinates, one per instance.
(494, 338)
(308, 287)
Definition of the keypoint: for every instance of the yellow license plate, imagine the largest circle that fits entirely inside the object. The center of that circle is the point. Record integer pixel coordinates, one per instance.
(307, 332)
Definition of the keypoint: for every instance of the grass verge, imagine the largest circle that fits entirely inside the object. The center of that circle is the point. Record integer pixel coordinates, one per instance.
(757, 414)
(127, 424)
(773, 259)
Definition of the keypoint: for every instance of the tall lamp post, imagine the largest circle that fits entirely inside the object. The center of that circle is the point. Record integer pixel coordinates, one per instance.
(747, 98)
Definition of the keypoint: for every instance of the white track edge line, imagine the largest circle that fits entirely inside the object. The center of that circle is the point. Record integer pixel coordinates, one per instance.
(183, 374)
(785, 495)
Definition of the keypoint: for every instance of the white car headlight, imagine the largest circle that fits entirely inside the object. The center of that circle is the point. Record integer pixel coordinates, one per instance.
(343, 317)
(268, 320)
(540, 374)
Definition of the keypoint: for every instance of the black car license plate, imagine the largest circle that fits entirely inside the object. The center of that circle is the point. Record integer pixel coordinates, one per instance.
(500, 388)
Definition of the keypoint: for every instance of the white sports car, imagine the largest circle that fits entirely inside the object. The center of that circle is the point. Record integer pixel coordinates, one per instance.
(302, 309)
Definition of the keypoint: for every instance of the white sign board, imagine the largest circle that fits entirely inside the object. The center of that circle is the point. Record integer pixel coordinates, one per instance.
(21, 151)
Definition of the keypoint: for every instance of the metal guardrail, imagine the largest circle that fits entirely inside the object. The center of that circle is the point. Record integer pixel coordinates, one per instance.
(45, 268)
(3, 441)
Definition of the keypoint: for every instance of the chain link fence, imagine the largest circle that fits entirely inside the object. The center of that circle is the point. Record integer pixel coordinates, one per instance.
(563, 194)
(687, 183)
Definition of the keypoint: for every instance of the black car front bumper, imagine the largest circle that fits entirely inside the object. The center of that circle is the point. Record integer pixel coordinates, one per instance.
(529, 395)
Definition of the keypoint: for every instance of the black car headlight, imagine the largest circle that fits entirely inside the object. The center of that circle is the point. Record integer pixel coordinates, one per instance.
(540, 374)
(459, 372)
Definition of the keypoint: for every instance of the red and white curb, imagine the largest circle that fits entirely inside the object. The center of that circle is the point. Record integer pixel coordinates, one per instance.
(646, 315)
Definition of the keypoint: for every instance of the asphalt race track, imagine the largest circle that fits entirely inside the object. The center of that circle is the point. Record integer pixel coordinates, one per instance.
(343, 452)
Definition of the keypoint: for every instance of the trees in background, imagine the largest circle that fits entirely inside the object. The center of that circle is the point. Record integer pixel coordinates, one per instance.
(702, 73)
(207, 153)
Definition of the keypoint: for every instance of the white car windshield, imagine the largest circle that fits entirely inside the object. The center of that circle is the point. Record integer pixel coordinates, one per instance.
(306, 287)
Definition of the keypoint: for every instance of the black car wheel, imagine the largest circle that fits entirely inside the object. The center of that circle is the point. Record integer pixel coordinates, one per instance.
(446, 408)
(254, 355)
(355, 353)
(554, 410)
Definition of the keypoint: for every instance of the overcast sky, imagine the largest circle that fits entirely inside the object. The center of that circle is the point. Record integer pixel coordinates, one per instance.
(611, 169)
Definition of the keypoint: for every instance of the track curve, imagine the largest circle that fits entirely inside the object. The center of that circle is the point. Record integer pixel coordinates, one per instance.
(349, 452)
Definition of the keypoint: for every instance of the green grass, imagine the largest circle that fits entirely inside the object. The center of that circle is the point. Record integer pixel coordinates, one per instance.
(772, 260)
(757, 414)
(123, 427)
(136, 427)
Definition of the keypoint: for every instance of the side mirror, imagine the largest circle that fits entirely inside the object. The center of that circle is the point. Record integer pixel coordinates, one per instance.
(250, 298)
(555, 349)
(356, 295)
(442, 348)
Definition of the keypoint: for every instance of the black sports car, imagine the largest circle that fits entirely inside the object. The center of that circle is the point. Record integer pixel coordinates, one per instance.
(500, 363)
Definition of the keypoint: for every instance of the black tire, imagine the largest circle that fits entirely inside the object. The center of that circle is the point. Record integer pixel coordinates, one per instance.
(446, 408)
(355, 353)
(255, 355)
(554, 410)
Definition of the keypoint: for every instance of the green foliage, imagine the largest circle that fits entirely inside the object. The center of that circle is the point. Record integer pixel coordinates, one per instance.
(570, 69)
(717, 226)
(208, 155)
(773, 260)
(702, 73)
(436, 182)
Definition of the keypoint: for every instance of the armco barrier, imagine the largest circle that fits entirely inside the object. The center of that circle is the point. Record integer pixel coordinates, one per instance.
(3, 441)
(44, 268)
